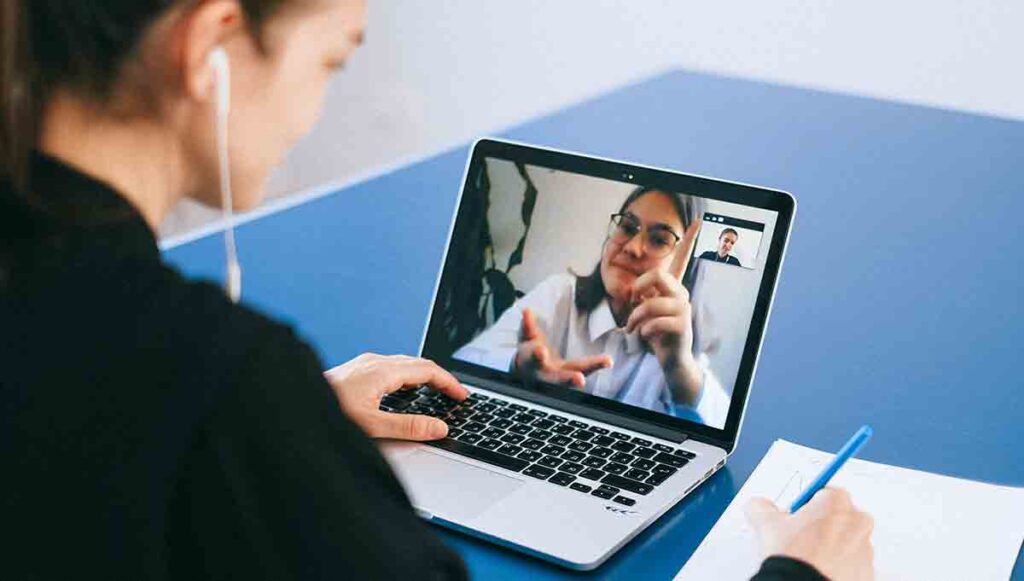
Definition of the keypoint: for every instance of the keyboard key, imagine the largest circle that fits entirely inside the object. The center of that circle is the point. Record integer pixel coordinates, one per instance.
(502, 423)
(623, 446)
(510, 449)
(490, 444)
(583, 435)
(657, 478)
(524, 418)
(470, 438)
(635, 474)
(478, 396)
(405, 394)
(552, 450)
(539, 472)
(517, 407)
(620, 436)
(529, 455)
(486, 408)
(663, 469)
(473, 427)
(627, 484)
(641, 442)
(483, 418)
(560, 440)
(540, 434)
(521, 429)
(537, 413)
(571, 467)
(580, 446)
(603, 440)
(492, 433)
(573, 455)
(580, 487)
(454, 432)
(562, 479)
(645, 452)
(603, 494)
(578, 424)
(394, 402)
(499, 402)
(598, 430)
(623, 458)
(616, 468)
(465, 413)
(515, 439)
(685, 454)
(663, 448)
(557, 419)
(601, 452)
(505, 413)
(455, 422)
(592, 474)
(643, 464)
(550, 461)
(624, 500)
(594, 462)
(543, 424)
(563, 429)
(533, 444)
(464, 449)
(608, 488)
(671, 460)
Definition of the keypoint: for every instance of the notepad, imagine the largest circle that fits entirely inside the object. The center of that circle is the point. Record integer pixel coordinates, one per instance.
(926, 526)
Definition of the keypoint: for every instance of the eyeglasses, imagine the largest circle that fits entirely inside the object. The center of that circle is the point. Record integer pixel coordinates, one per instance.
(659, 240)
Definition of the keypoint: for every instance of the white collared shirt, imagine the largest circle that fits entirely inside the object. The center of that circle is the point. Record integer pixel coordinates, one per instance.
(636, 378)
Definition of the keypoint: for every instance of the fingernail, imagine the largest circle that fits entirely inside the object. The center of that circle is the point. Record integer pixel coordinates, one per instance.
(440, 429)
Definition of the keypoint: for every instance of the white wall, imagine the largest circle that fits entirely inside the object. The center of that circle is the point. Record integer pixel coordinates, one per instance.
(436, 74)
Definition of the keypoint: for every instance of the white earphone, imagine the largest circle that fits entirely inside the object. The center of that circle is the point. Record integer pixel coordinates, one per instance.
(222, 102)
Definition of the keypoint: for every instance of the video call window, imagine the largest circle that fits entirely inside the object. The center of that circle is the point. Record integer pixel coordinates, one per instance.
(547, 278)
(729, 240)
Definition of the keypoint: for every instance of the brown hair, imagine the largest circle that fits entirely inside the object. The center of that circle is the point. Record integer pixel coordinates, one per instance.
(590, 289)
(77, 45)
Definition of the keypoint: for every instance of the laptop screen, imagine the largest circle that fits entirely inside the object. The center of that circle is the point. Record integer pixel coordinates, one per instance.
(627, 291)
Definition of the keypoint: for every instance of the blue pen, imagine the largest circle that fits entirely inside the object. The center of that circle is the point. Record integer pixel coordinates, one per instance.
(845, 453)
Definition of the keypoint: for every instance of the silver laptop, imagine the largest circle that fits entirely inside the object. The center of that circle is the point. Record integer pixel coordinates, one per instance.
(607, 319)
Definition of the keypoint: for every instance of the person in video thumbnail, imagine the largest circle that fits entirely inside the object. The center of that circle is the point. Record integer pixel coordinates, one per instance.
(726, 240)
(623, 332)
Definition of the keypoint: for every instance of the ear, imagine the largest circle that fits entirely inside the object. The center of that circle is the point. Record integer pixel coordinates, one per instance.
(684, 250)
(207, 26)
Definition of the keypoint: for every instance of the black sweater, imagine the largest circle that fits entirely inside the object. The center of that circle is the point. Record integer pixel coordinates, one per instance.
(151, 429)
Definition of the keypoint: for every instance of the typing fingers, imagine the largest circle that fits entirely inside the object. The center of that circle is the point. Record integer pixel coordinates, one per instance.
(411, 371)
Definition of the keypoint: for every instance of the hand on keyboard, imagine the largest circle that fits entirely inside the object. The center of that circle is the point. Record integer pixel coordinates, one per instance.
(362, 384)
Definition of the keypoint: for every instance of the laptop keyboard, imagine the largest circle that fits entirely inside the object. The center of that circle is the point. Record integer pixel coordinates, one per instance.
(583, 457)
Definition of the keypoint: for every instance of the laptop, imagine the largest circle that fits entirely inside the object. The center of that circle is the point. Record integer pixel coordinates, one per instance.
(606, 318)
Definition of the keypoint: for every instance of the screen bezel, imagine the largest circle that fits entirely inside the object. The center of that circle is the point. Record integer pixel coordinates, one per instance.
(765, 198)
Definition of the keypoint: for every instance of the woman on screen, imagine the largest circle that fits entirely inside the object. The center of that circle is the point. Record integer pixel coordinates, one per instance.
(625, 331)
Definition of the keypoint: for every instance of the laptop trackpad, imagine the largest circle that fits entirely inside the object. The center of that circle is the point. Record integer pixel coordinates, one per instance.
(450, 488)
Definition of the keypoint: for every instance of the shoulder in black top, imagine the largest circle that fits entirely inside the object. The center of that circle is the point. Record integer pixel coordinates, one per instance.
(152, 429)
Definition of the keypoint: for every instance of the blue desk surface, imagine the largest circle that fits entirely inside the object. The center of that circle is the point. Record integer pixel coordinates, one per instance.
(901, 303)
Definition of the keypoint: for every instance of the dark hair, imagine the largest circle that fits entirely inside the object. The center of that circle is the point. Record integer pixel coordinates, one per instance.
(78, 45)
(726, 231)
(590, 289)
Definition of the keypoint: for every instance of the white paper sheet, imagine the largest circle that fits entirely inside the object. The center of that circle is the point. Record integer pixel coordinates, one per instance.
(927, 526)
